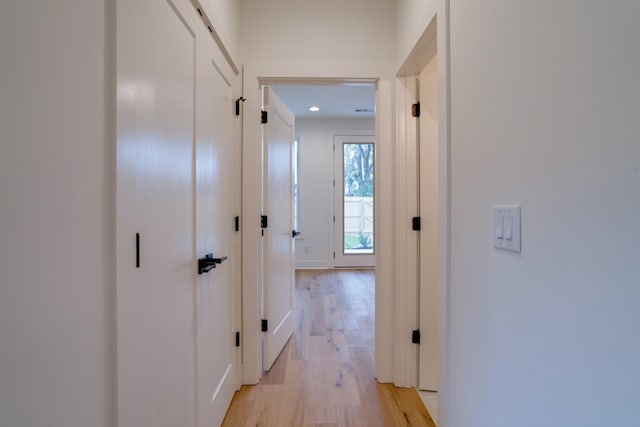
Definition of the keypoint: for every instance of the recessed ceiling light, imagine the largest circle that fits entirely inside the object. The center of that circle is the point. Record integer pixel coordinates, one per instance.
(314, 108)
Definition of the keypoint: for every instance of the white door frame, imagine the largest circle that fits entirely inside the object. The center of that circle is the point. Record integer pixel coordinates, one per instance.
(435, 38)
(251, 236)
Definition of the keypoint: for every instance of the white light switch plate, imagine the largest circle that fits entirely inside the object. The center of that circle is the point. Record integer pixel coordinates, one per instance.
(506, 223)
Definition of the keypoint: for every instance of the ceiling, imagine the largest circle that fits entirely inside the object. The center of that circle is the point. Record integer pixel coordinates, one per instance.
(334, 101)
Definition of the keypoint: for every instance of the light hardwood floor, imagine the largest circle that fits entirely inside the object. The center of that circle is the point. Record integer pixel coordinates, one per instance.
(324, 375)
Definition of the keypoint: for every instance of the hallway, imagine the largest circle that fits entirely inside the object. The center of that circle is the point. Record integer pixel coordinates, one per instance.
(324, 375)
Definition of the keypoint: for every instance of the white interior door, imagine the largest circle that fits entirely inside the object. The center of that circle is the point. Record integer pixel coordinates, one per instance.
(214, 298)
(354, 201)
(155, 200)
(429, 169)
(278, 241)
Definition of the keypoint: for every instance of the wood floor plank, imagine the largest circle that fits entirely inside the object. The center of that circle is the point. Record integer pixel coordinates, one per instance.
(324, 376)
(320, 415)
(278, 369)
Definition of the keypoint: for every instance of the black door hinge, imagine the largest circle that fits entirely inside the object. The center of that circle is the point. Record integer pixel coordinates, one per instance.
(238, 101)
(263, 221)
(238, 339)
(263, 117)
(264, 326)
(415, 109)
(416, 223)
(236, 223)
(415, 336)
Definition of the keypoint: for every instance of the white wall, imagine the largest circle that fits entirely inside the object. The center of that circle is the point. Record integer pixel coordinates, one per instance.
(412, 17)
(292, 38)
(352, 38)
(56, 292)
(314, 247)
(544, 113)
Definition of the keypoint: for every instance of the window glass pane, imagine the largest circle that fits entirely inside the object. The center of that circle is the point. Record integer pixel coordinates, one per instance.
(358, 198)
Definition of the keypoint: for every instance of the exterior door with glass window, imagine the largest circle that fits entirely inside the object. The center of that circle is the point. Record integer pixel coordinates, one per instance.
(354, 205)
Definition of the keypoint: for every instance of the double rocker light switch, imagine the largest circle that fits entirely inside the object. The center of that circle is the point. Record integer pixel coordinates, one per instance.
(506, 221)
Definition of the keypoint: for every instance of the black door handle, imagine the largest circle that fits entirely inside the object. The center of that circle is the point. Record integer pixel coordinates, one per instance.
(294, 233)
(208, 263)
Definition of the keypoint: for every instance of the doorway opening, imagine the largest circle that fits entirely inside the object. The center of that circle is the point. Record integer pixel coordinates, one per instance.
(334, 190)
(332, 162)
(310, 255)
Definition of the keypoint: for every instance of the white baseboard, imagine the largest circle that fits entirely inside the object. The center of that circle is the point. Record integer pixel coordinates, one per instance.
(313, 265)
(430, 400)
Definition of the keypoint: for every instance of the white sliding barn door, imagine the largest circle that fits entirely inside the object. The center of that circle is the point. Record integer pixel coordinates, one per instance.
(155, 298)
(215, 334)
(278, 242)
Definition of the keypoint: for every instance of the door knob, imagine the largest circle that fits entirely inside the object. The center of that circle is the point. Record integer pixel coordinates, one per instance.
(295, 233)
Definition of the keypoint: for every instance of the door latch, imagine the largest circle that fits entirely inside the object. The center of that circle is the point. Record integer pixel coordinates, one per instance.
(208, 263)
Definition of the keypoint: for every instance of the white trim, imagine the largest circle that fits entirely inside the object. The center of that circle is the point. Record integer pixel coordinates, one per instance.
(313, 265)
(424, 47)
(385, 254)
(214, 34)
(236, 236)
(251, 196)
(317, 81)
(413, 64)
(430, 401)
(251, 241)
(406, 273)
(444, 284)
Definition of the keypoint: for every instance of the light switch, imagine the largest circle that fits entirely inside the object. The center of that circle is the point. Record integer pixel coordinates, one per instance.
(507, 227)
(500, 227)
